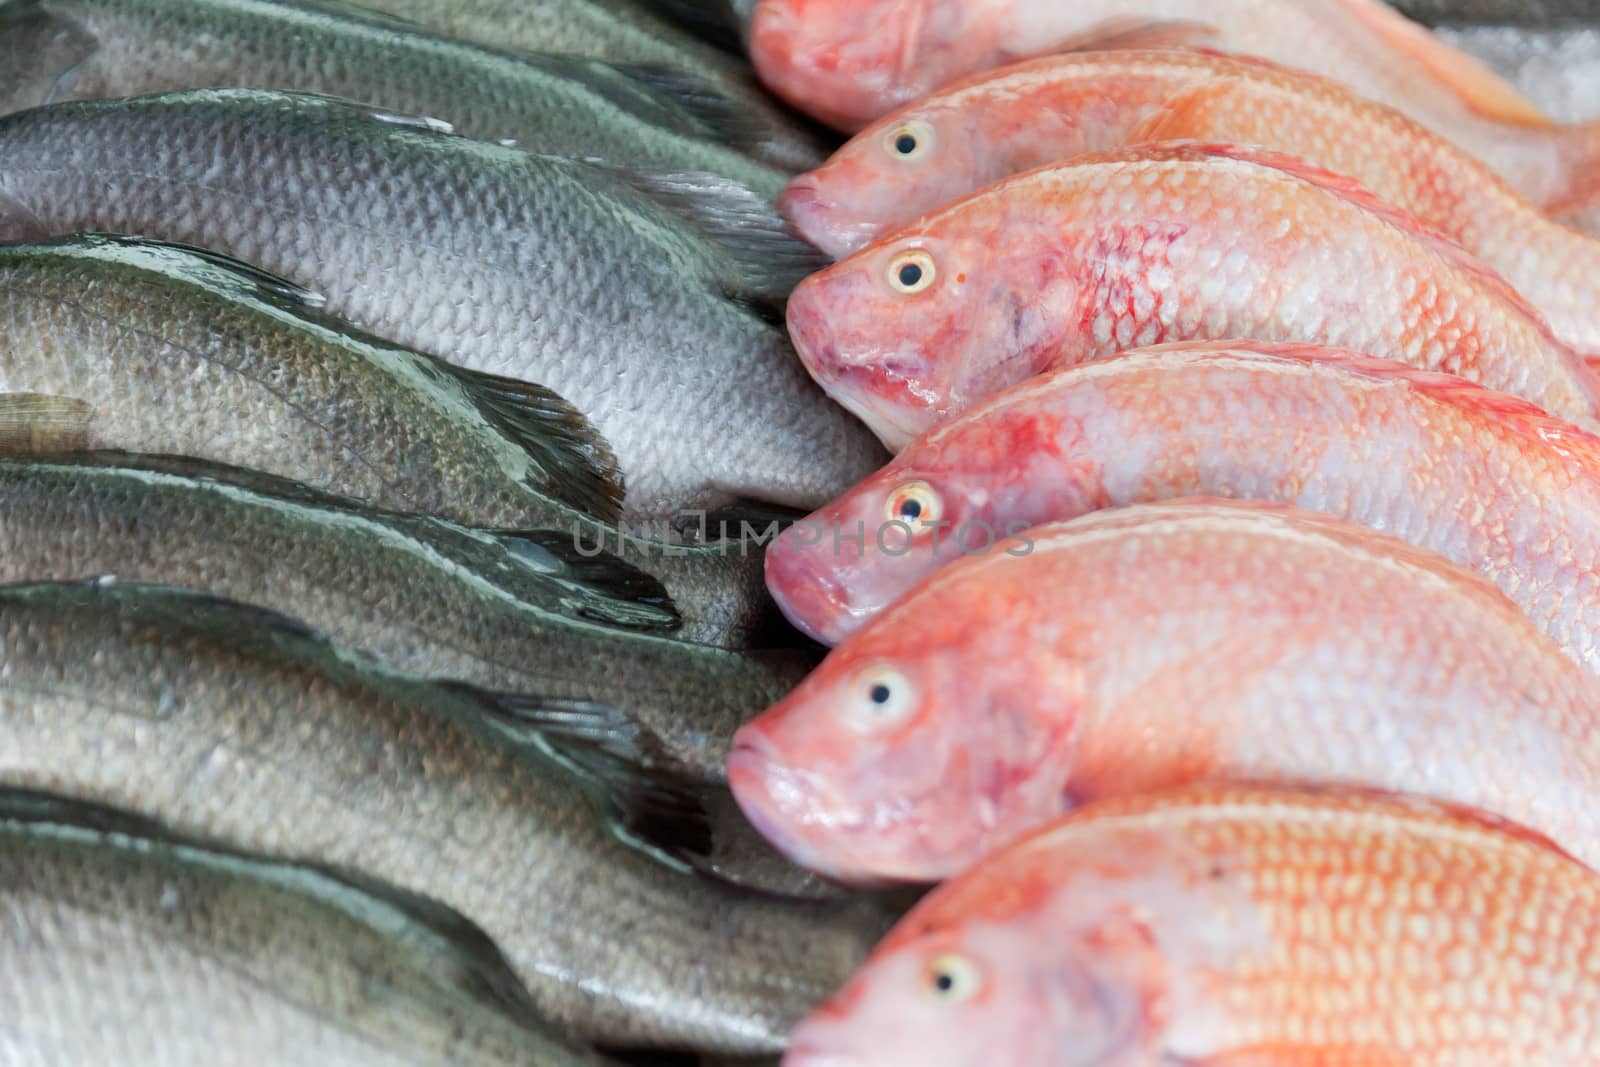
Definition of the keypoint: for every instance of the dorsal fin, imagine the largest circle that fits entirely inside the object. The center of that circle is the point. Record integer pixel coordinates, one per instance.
(609, 590)
(180, 258)
(721, 117)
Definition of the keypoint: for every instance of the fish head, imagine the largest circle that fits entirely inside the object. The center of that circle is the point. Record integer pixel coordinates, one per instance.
(915, 328)
(982, 991)
(41, 53)
(847, 62)
(974, 484)
(938, 732)
(891, 173)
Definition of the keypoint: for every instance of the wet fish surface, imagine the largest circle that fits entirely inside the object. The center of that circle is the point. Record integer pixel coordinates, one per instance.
(239, 725)
(1235, 926)
(1151, 244)
(555, 104)
(521, 613)
(125, 943)
(623, 32)
(633, 307)
(1486, 480)
(1145, 647)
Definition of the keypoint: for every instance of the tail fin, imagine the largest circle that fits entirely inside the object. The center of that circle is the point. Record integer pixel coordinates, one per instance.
(723, 23)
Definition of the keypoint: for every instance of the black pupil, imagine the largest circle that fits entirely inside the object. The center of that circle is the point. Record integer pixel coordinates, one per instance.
(911, 510)
(943, 982)
(905, 144)
(910, 275)
(879, 694)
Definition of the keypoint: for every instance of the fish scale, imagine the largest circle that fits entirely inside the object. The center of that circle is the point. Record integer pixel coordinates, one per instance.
(1228, 926)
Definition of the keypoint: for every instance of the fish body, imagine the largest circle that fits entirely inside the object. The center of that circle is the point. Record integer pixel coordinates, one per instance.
(238, 725)
(621, 32)
(1489, 481)
(555, 104)
(848, 63)
(537, 268)
(125, 943)
(953, 143)
(1222, 926)
(1144, 647)
(1155, 244)
(518, 613)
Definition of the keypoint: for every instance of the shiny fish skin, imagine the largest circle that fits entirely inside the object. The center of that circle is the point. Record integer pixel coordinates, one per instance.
(125, 944)
(1055, 108)
(1227, 927)
(1488, 481)
(178, 354)
(851, 61)
(553, 104)
(538, 268)
(419, 594)
(618, 32)
(1160, 243)
(1152, 646)
(241, 728)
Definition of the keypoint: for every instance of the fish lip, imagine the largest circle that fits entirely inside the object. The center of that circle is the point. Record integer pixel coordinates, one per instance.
(750, 762)
(807, 592)
(813, 1054)
(802, 205)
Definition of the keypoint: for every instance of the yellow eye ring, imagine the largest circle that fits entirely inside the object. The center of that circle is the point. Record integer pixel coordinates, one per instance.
(915, 503)
(882, 697)
(909, 140)
(912, 272)
(953, 978)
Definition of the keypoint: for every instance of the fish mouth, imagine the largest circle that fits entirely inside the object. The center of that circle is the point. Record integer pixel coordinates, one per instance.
(802, 205)
(750, 766)
(813, 602)
(814, 1054)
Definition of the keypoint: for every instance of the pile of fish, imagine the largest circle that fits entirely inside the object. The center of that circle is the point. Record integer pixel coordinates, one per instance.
(439, 440)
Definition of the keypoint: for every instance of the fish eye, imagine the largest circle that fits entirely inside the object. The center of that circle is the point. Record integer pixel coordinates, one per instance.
(912, 271)
(909, 141)
(953, 978)
(881, 697)
(916, 504)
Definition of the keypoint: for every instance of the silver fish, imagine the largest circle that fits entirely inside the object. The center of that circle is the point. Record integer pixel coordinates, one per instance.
(237, 724)
(95, 49)
(124, 943)
(630, 304)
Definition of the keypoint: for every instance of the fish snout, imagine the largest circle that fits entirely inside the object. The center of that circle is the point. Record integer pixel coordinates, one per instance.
(752, 766)
(813, 600)
(801, 203)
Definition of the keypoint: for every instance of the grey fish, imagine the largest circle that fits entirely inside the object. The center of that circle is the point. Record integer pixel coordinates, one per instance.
(1519, 12)
(96, 49)
(634, 306)
(239, 725)
(178, 351)
(620, 31)
(127, 944)
(500, 611)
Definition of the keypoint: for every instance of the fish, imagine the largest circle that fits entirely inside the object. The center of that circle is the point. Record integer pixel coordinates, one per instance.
(244, 727)
(955, 142)
(506, 611)
(561, 105)
(623, 33)
(1490, 482)
(1229, 926)
(848, 62)
(1159, 243)
(1140, 648)
(641, 309)
(125, 942)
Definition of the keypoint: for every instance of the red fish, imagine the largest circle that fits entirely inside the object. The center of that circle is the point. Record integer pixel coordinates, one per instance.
(1150, 646)
(1158, 244)
(849, 62)
(1230, 927)
(955, 142)
(1486, 480)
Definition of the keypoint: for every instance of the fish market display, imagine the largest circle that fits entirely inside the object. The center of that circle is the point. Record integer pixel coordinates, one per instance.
(851, 61)
(622, 32)
(94, 49)
(1486, 480)
(125, 943)
(1240, 927)
(186, 352)
(633, 307)
(239, 725)
(1158, 244)
(955, 142)
(520, 613)
(1156, 645)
